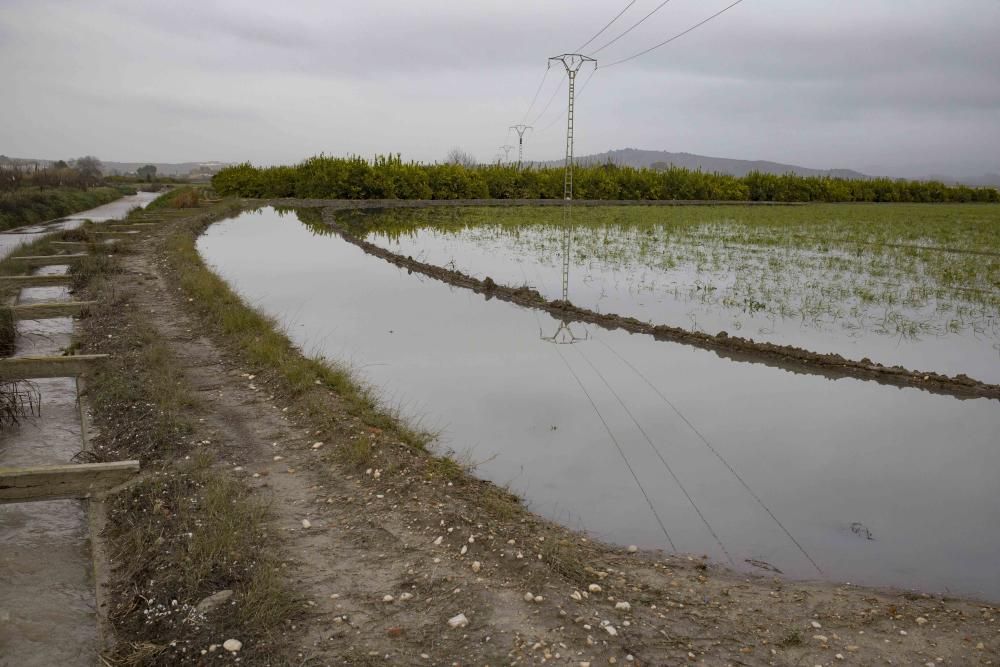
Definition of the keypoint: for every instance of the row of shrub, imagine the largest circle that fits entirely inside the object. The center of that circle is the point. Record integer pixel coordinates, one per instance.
(28, 206)
(390, 178)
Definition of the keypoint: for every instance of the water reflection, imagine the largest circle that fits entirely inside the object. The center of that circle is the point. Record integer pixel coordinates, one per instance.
(645, 442)
(12, 239)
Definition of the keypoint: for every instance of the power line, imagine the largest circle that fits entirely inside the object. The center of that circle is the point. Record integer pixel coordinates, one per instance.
(535, 98)
(579, 49)
(660, 456)
(677, 36)
(714, 451)
(633, 27)
(549, 103)
(579, 93)
(618, 446)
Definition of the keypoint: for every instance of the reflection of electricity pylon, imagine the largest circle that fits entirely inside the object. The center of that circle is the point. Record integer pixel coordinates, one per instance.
(572, 62)
(564, 334)
(506, 148)
(520, 128)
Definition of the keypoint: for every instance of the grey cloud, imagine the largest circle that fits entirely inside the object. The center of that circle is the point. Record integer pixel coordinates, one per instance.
(825, 83)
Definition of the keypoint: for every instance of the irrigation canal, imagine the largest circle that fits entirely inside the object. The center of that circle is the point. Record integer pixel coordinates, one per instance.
(47, 597)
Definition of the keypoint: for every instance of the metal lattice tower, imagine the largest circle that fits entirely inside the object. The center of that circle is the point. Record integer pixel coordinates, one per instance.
(520, 128)
(506, 148)
(572, 62)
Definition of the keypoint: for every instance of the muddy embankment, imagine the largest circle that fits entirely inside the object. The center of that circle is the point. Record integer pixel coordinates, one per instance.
(794, 359)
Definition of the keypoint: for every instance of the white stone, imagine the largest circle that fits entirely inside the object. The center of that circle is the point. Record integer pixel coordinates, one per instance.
(405, 596)
(232, 645)
(632, 548)
(306, 523)
(317, 445)
(476, 566)
(459, 621)
(463, 550)
(387, 598)
(576, 596)
(213, 601)
(594, 588)
(539, 598)
(529, 597)
(623, 606)
(816, 625)
(610, 629)
(921, 620)
(439, 540)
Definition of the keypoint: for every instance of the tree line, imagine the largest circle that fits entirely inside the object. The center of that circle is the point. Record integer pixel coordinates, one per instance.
(81, 173)
(388, 177)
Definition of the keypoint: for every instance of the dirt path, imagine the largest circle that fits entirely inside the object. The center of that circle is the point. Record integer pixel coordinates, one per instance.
(403, 562)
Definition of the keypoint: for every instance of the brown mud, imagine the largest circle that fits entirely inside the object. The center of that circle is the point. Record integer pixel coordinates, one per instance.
(736, 348)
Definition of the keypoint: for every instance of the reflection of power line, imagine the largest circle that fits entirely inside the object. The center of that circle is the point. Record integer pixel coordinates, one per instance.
(621, 452)
(714, 451)
(659, 455)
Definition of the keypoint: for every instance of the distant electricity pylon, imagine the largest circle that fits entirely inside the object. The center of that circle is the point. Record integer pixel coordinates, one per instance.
(572, 62)
(520, 128)
(506, 148)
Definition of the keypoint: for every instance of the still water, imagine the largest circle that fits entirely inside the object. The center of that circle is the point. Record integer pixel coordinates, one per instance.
(789, 295)
(12, 239)
(644, 442)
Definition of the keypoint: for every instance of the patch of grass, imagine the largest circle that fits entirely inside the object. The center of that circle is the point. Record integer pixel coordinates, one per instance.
(565, 559)
(8, 331)
(500, 503)
(357, 452)
(188, 529)
(446, 468)
(793, 638)
(261, 343)
(179, 537)
(31, 205)
(177, 198)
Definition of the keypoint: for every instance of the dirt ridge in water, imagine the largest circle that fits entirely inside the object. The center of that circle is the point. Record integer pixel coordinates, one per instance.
(788, 357)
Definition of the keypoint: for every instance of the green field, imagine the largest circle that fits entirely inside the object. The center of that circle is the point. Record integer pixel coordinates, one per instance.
(821, 276)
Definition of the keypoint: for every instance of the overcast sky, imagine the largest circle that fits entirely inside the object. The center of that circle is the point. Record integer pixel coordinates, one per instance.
(905, 87)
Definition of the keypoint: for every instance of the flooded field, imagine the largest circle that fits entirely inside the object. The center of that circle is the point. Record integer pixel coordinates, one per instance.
(913, 285)
(640, 441)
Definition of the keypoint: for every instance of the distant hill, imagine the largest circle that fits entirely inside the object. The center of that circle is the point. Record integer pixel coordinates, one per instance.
(126, 168)
(634, 157)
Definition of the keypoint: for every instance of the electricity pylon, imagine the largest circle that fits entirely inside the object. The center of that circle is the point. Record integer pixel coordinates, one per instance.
(507, 148)
(520, 128)
(572, 62)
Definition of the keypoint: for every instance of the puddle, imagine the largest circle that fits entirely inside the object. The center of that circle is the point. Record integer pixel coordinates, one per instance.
(12, 239)
(646, 442)
(788, 284)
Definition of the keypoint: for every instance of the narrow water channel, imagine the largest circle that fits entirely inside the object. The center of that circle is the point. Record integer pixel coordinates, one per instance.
(12, 239)
(644, 442)
(47, 589)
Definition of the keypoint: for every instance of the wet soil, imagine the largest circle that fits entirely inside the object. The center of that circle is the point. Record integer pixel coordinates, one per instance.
(443, 544)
